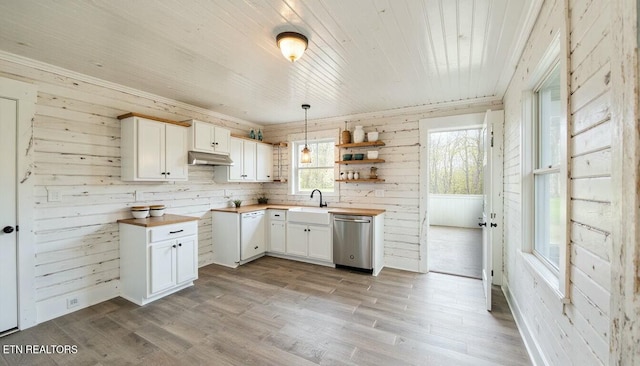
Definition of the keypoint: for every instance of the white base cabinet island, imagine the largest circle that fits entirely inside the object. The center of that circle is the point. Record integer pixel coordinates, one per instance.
(158, 256)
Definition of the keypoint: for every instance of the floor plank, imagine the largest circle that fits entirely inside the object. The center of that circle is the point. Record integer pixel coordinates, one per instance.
(455, 250)
(278, 312)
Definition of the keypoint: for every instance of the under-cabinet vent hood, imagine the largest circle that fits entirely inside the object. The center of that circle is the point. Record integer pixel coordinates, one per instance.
(199, 158)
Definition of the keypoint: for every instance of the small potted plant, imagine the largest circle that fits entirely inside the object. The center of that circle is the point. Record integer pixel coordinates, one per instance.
(263, 199)
(237, 203)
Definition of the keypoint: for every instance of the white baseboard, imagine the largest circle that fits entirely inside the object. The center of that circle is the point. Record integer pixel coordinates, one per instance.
(57, 306)
(533, 348)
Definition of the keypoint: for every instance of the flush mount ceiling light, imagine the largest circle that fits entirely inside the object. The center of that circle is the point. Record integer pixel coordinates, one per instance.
(306, 153)
(292, 45)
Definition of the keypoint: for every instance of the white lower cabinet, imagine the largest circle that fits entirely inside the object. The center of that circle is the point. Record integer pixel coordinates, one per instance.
(277, 231)
(311, 241)
(156, 261)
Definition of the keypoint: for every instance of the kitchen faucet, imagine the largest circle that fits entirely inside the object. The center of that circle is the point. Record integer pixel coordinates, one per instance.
(321, 204)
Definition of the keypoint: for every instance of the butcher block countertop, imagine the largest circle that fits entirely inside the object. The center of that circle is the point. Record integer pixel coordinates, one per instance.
(333, 210)
(166, 219)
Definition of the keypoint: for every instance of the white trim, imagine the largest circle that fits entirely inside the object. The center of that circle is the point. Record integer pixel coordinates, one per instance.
(39, 65)
(554, 55)
(533, 348)
(26, 95)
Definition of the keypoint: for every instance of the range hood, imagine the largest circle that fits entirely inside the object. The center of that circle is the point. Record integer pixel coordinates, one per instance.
(200, 158)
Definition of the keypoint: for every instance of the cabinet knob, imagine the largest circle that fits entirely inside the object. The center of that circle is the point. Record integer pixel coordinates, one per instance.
(180, 244)
(163, 173)
(168, 173)
(256, 247)
(174, 245)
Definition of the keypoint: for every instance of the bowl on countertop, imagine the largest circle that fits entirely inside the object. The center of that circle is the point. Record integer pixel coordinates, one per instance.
(358, 156)
(347, 156)
(156, 210)
(372, 154)
(140, 212)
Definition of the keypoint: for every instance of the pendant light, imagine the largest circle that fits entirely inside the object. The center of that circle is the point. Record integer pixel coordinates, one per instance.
(305, 158)
(292, 45)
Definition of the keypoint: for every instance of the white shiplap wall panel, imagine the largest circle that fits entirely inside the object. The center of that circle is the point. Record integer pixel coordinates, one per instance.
(77, 153)
(575, 333)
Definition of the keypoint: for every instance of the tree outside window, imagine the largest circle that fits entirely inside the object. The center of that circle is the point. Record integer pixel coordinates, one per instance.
(320, 172)
(456, 162)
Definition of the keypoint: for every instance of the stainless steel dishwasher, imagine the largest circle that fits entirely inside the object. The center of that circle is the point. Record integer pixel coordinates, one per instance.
(352, 241)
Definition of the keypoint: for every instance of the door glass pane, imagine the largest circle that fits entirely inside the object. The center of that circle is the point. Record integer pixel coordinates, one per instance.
(549, 128)
(547, 217)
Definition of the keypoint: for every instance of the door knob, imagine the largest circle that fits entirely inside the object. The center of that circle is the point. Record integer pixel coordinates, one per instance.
(493, 224)
(8, 229)
(482, 224)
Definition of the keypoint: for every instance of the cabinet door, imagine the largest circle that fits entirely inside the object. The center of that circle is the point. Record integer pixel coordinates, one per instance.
(162, 270)
(249, 160)
(151, 150)
(187, 259)
(297, 239)
(235, 150)
(277, 237)
(176, 152)
(221, 139)
(320, 243)
(203, 137)
(264, 162)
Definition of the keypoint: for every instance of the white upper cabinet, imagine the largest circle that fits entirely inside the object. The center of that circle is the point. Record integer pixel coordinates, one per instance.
(252, 162)
(264, 163)
(208, 138)
(153, 151)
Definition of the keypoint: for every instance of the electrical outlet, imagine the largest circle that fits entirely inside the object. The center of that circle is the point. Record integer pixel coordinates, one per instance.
(379, 192)
(139, 196)
(72, 302)
(54, 195)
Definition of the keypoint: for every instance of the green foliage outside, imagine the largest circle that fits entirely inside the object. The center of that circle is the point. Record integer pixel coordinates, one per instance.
(319, 173)
(455, 162)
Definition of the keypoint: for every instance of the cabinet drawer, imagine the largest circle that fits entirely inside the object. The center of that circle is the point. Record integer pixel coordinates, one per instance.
(277, 215)
(173, 231)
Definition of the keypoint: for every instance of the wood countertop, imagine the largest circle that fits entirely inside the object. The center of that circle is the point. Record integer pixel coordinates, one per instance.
(332, 210)
(166, 219)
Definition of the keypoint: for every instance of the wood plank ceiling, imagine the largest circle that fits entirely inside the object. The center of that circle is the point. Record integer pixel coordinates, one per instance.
(363, 55)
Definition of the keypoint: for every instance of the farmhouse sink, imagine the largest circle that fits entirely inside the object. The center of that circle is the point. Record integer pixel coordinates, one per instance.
(309, 215)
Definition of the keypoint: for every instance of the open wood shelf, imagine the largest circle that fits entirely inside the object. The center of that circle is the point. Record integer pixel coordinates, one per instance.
(363, 161)
(377, 180)
(362, 144)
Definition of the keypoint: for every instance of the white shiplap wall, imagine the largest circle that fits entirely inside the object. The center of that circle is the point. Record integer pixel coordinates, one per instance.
(577, 333)
(77, 153)
(401, 172)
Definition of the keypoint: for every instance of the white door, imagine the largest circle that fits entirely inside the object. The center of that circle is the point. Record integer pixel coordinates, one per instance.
(8, 219)
(151, 151)
(176, 152)
(320, 243)
(487, 224)
(235, 149)
(186, 259)
(203, 137)
(249, 160)
(162, 267)
(221, 138)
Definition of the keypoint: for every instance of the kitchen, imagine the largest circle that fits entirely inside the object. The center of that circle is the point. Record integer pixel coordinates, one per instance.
(75, 193)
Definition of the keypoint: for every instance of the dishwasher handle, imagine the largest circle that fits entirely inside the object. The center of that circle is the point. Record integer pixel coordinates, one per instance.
(352, 220)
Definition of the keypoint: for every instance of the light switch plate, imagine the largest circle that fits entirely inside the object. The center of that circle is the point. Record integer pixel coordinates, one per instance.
(54, 195)
(379, 192)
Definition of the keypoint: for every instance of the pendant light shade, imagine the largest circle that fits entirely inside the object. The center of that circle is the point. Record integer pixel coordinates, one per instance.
(305, 156)
(292, 45)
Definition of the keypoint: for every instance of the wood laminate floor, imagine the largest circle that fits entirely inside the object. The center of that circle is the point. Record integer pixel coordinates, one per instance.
(279, 312)
(455, 250)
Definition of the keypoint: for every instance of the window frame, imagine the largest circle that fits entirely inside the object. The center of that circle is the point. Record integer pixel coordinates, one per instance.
(297, 146)
(557, 279)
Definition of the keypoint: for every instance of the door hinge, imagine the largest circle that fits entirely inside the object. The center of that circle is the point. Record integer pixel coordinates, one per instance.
(17, 227)
(491, 273)
(491, 138)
